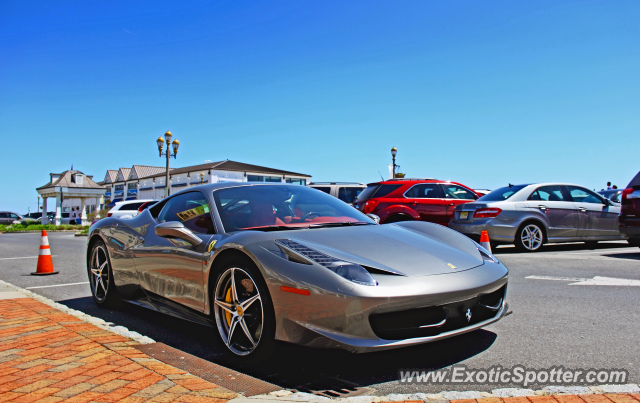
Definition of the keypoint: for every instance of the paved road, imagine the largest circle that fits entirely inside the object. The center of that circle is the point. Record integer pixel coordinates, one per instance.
(553, 323)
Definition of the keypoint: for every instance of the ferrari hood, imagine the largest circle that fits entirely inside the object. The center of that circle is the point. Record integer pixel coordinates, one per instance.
(418, 251)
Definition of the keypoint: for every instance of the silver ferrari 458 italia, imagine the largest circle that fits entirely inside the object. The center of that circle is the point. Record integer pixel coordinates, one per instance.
(264, 262)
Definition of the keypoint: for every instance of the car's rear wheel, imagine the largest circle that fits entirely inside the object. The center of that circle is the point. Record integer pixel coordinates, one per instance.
(398, 218)
(243, 310)
(103, 289)
(530, 237)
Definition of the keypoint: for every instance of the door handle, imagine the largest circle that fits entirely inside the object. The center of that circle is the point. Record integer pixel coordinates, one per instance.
(584, 210)
(543, 207)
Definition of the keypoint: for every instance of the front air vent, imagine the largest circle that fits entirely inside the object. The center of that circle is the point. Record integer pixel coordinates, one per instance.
(323, 259)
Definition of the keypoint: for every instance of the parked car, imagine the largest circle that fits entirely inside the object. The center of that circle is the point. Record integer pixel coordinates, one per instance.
(612, 194)
(629, 219)
(346, 191)
(52, 218)
(8, 218)
(534, 214)
(429, 200)
(263, 262)
(127, 209)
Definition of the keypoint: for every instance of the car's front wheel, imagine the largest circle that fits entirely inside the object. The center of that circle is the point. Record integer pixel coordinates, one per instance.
(530, 237)
(243, 310)
(103, 289)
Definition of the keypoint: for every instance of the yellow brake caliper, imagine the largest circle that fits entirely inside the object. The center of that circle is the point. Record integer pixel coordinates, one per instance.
(227, 298)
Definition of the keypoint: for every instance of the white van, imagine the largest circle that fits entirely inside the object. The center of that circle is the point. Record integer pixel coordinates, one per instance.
(346, 191)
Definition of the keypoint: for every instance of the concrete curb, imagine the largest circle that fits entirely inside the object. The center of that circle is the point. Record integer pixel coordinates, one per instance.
(120, 330)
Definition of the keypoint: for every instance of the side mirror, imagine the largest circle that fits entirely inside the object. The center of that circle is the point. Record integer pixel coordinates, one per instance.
(607, 202)
(374, 217)
(175, 229)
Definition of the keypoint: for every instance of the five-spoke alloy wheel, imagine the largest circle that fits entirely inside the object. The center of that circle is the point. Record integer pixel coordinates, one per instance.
(239, 311)
(100, 275)
(530, 237)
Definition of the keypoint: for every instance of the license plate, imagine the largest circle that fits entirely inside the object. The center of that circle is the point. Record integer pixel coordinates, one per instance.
(464, 215)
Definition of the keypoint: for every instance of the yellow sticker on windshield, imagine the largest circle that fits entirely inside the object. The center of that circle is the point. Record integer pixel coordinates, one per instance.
(194, 212)
(211, 245)
(450, 265)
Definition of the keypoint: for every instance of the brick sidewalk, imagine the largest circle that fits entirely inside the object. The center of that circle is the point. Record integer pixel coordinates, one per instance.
(49, 356)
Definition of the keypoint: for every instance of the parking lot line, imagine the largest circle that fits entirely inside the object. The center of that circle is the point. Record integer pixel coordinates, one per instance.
(56, 285)
(24, 257)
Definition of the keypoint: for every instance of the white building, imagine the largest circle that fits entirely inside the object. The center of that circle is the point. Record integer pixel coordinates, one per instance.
(70, 188)
(146, 182)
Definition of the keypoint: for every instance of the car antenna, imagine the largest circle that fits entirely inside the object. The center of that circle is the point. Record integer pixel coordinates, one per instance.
(510, 185)
(381, 178)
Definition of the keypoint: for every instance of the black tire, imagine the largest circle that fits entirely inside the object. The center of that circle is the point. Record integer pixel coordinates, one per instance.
(536, 234)
(591, 244)
(398, 218)
(103, 289)
(634, 242)
(239, 345)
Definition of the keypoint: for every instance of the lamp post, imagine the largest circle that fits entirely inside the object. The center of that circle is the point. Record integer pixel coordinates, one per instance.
(394, 151)
(175, 144)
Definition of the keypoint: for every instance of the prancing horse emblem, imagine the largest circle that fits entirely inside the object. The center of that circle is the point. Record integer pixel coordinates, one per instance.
(468, 315)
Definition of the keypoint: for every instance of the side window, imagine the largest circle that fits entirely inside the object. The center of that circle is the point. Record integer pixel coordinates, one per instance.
(548, 193)
(457, 192)
(14, 216)
(4, 215)
(191, 209)
(424, 191)
(349, 194)
(581, 195)
(327, 190)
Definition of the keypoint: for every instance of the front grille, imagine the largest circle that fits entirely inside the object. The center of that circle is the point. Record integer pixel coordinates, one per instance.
(420, 322)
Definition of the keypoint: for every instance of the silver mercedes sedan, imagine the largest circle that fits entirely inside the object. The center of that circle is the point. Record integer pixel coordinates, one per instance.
(263, 262)
(532, 215)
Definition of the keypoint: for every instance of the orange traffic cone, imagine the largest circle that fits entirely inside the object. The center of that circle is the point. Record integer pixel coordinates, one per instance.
(484, 241)
(45, 264)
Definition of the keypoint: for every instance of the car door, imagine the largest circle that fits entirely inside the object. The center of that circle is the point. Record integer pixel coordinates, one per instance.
(561, 213)
(454, 195)
(426, 199)
(597, 219)
(173, 268)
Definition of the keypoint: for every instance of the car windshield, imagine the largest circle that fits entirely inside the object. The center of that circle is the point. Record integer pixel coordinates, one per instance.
(268, 208)
(502, 193)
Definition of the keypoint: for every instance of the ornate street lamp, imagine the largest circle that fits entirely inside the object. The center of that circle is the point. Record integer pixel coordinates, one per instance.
(175, 144)
(394, 151)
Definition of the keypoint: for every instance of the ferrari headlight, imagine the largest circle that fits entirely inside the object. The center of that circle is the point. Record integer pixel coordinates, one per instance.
(486, 255)
(350, 271)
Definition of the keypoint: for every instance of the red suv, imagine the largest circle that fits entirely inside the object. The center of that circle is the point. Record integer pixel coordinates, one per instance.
(630, 211)
(430, 200)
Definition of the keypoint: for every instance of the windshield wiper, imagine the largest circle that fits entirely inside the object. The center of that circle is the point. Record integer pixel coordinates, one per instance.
(274, 228)
(339, 224)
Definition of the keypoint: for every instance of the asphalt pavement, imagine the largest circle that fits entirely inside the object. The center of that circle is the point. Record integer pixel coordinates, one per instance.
(555, 320)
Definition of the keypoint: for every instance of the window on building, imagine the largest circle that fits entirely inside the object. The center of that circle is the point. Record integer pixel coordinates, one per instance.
(258, 178)
(297, 181)
(119, 187)
(132, 186)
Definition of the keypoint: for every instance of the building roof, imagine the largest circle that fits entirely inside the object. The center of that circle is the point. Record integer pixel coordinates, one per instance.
(66, 179)
(141, 171)
(111, 176)
(229, 165)
(123, 174)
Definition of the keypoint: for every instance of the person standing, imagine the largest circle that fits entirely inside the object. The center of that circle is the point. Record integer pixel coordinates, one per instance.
(608, 185)
(73, 216)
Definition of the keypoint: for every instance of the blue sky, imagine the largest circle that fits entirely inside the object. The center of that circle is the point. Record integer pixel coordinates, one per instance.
(483, 93)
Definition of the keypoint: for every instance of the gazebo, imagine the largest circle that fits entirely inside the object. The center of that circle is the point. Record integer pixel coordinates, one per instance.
(69, 185)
